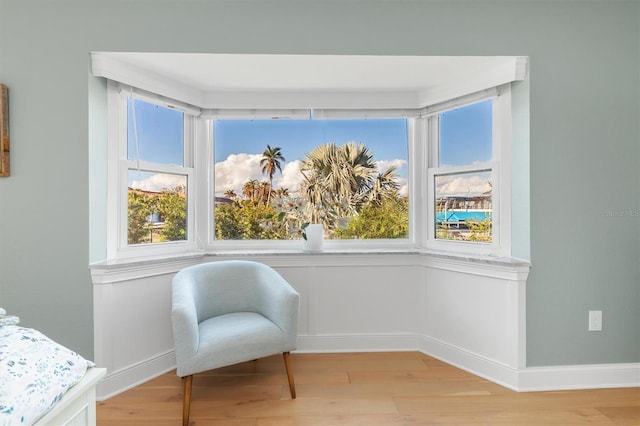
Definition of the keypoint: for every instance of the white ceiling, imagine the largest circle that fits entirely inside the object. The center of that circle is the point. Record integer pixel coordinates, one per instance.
(216, 76)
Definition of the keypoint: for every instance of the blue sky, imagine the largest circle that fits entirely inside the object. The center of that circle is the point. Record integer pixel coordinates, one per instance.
(466, 134)
(387, 139)
(159, 132)
(239, 145)
(465, 138)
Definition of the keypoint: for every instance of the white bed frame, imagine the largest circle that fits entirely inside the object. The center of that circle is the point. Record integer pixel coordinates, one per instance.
(78, 406)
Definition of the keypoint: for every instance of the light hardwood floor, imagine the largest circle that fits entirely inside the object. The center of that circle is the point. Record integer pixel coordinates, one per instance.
(372, 389)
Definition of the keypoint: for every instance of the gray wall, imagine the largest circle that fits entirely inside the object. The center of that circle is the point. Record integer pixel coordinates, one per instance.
(584, 110)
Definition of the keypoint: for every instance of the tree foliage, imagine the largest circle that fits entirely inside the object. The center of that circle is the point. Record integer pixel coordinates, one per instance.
(388, 218)
(246, 220)
(337, 178)
(340, 189)
(141, 207)
(480, 230)
(172, 208)
(169, 206)
(271, 162)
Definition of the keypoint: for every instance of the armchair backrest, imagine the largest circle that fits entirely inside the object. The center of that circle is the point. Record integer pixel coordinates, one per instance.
(219, 288)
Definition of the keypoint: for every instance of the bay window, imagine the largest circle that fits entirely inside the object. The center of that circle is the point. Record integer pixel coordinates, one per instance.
(185, 174)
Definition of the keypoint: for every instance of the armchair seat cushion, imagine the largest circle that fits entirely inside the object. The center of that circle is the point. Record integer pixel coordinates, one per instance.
(236, 337)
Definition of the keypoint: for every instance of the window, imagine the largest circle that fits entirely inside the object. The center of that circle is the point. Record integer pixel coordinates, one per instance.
(273, 176)
(464, 180)
(463, 194)
(154, 151)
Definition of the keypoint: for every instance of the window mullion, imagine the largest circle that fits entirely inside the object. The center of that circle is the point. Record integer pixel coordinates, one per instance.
(123, 204)
(502, 126)
(419, 160)
(202, 189)
(433, 135)
(187, 140)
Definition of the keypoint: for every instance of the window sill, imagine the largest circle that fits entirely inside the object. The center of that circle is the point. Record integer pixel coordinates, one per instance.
(120, 270)
(476, 258)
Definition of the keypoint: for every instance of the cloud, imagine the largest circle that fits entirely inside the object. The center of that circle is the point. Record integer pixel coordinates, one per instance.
(290, 178)
(158, 182)
(383, 165)
(463, 184)
(400, 164)
(237, 169)
(403, 187)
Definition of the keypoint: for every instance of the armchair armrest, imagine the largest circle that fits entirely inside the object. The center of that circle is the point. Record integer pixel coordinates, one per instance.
(280, 304)
(185, 323)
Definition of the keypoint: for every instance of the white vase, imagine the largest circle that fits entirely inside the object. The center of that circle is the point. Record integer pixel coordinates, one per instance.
(315, 237)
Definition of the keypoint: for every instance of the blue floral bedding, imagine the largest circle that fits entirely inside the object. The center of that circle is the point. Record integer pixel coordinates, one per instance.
(35, 372)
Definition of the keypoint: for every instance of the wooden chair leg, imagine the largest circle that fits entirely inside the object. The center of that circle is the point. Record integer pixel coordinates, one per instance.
(287, 366)
(186, 403)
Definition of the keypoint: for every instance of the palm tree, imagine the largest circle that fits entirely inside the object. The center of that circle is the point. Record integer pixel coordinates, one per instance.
(250, 188)
(264, 191)
(313, 190)
(270, 162)
(338, 177)
(384, 186)
(282, 192)
(230, 193)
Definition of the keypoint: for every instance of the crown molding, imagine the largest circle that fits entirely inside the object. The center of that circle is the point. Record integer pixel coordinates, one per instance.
(485, 75)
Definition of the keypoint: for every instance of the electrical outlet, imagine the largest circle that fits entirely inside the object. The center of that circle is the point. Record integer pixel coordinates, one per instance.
(595, 320)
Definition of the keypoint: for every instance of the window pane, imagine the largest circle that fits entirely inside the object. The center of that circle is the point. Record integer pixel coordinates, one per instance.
(157, 207)
(466, 134)
(463, 206)
(159, 132)
(272, 176)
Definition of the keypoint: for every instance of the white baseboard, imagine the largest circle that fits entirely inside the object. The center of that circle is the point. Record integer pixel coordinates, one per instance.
(471, 362)
(568, 377)
(357, 343)
(525, 380)
(134, 375)
(532, 379)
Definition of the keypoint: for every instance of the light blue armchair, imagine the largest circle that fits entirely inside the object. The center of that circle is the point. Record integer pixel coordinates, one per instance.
(229, 312)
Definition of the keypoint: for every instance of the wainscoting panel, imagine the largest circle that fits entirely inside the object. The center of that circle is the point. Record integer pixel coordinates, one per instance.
(470, 312)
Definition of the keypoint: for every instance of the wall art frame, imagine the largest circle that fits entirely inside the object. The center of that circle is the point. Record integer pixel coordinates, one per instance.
(4, 131)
